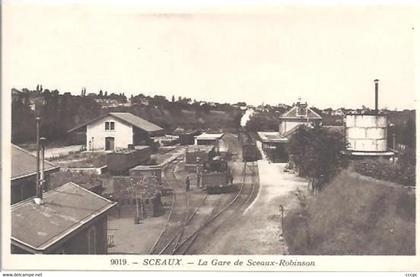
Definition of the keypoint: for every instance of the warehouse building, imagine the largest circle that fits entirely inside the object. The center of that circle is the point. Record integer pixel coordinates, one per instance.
(117, 130)
(69, 220)
(23, 181)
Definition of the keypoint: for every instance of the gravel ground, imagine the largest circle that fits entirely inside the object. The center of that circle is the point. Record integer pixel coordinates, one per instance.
(258, 229)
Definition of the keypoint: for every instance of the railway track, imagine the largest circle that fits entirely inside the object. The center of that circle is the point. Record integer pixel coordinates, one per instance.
(244, 196)
(179, 215)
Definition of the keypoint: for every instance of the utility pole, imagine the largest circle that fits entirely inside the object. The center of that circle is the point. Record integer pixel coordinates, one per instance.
(38, 193)
(282, 221)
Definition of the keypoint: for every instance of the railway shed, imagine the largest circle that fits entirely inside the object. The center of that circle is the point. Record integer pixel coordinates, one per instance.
(274, 146)
(23, 175)
(70, 220)
(209, 139)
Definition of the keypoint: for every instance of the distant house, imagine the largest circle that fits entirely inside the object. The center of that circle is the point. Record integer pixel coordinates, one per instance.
(299, 114)
(114, 131)
(71, 220)
(23, 181)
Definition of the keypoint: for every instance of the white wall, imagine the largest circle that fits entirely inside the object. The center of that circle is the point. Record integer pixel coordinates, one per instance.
(122, 134)
(366, 132)
(288, 125)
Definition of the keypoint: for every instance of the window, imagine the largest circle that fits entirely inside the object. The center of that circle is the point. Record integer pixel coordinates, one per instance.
(109, 125)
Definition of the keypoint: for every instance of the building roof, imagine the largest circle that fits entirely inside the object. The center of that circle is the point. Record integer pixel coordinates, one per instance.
(271, 137)
(65, 210)
(129, 118)
(206, 136)
(199, 148)
(24, 163)
(301, 111)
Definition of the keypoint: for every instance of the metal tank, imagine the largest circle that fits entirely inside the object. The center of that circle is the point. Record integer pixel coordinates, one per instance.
(366, 132)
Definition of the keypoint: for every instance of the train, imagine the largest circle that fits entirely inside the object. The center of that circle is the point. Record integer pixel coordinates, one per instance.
(250, 151)
(217, 176)
(216, 173)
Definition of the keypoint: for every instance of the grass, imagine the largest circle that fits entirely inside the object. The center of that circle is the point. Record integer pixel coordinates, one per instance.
(353, 216)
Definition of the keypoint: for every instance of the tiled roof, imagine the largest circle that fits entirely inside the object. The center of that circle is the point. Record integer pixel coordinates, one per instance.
(65, 209)
(137, 122)
(24, 163)
(129, 118)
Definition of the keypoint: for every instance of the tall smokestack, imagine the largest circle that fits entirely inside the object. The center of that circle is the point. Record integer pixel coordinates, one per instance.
(376, 95)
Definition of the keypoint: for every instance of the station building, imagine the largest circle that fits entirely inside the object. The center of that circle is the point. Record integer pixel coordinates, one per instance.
(274, 144)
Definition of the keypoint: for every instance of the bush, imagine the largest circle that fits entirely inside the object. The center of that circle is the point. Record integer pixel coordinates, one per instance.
(353, 216)
(402, 172)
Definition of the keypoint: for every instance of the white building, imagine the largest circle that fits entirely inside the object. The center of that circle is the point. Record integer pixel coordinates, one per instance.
(115, 131)
(299, 114)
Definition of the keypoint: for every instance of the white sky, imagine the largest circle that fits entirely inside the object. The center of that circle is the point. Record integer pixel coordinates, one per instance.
(327, 55)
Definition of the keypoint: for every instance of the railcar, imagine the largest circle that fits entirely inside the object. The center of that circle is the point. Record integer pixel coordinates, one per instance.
(217, 176)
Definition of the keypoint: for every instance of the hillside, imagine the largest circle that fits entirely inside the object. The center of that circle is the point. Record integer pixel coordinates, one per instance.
(353, 215)
(61, 112)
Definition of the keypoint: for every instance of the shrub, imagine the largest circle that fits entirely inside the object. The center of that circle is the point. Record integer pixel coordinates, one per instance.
(402, 172)
(353, 216)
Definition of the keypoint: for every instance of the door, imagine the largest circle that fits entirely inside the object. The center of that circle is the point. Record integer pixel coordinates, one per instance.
(109, 143)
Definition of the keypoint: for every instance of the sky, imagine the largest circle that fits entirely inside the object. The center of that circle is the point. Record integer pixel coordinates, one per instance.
(326, 55)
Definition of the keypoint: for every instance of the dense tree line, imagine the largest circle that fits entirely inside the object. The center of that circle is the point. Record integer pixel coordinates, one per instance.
(58, 114)
(61, 112)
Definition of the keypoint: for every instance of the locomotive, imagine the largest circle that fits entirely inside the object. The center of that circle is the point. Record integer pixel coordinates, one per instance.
(216, 175)
(250, 152)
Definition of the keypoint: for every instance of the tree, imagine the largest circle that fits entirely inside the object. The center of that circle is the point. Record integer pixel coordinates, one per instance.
(316, 154)
(409, 134)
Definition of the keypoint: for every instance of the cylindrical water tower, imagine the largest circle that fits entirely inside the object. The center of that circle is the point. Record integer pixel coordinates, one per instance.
(367, 132)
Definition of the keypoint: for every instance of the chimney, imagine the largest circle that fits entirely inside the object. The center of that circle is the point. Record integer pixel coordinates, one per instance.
(376, 95)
